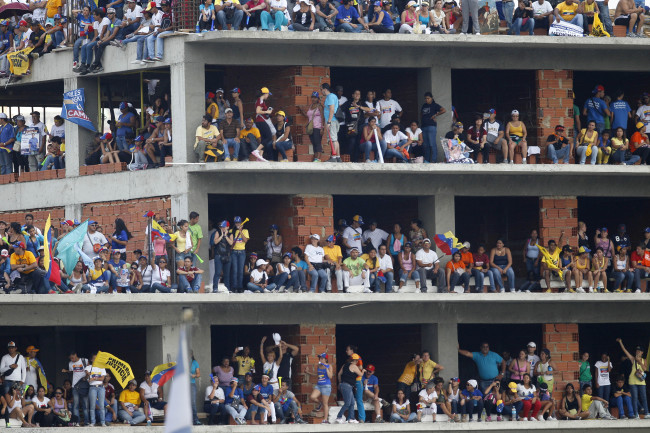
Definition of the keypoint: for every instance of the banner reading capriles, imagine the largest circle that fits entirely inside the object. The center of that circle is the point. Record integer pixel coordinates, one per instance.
(120, 369)
(74, 102)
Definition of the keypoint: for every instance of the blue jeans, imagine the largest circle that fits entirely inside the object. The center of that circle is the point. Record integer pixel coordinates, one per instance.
(367, 146)
(619, 276)
(508, 12)
(195, 416)
(619, 156)
(517, 26)
(235, 20)
(510, 274)
(619, 401)
(121, 33)
(278, 19)
(185, 285)
(163, 289)
(603, 392)
(639, 400)
(284, 280)
(604, 17)
(120, 142)
(396, 418)
(348, 401)
(317, 276)
(255, 288)
(554, 155)
(235, 148)
(301, 279)
(97, 395)
(152, 40)
(140, 39)
(282, 147)
(394, 153)
(220, 266)
(479, 279)
(76, 399)
(531, 268)
(578, 21)
(87, 53)
(5, 162)
(581, 151)
(456, 279)
(358, 392)
(519, 405)
(472, 407)
(76, 47)
(134, 419)
(237, 259)
(430, 144)
(638, 274)
(58, 37)
(52, 161)
(346, 27)
(390, 278)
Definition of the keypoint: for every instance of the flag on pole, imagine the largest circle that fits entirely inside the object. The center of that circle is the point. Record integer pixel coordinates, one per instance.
(51, 267)
(162, 373)
(158, 231)
(122, 370)
(66, 246)
(179, 409)
(448, 243)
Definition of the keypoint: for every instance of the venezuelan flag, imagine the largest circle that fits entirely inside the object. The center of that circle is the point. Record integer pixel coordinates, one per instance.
(158, 231)
(163, 372)
(448, 243)
(51, 267)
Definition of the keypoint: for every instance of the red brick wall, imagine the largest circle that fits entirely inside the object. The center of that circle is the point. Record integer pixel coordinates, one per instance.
(131, 212)
(304, 215)
(557, 214)
(554, 102)
(57, 214)
(562, 340)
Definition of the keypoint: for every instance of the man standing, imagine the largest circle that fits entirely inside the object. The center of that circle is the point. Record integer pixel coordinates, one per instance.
(35, 160)
(331, 106)
(352, 234)
(532, 357)
(12, 368)
(621, 239)
(470, 7)
(32, 367)
(490, 365)
(93, 241)
(196, 234)
(77, 366)
(429, 266)
(605, 18)
(558, 146)
(96, 392)
(387, 108)
(230, 131)
(595, 108)
(621, 111)
(428, 368)
(7, 139)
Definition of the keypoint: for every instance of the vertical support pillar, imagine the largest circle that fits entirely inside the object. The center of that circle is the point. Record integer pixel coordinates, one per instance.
(563, 341)
(441, 340)
(437, 80)
(438, 214)
(557, 214)
(73, 211)
(554, 103)
(307, 214)
(77, 137)
(187, 84)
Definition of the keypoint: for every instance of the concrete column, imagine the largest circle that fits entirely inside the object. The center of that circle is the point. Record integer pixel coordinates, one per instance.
(437, 80)
(77, 137)
(73, 211)
(441, 340)
(438, 214)
(187, 86)
(195, 200)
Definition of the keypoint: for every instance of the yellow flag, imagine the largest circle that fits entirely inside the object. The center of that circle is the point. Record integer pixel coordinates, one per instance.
(597, 28)
(550, 262)
(19, 61)
(120, 369)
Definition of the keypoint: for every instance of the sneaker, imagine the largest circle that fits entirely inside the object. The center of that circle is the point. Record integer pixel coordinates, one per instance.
(523, 161)
(340, 421)
(98, 68)
(142, 63)
(580, 290)
(157, 59)
(103, 424)
(84, 70)
(471, 420)
(256, 154)
(591, 290)
(227, 159)
(120, 44)
(631, 35)
(135, 62)
(147, 60)
(366, 290)
(91, 425)
(299, 421)
(128, 291)
(532, 418)
(551, 418)
(499, 418)
(353, 421)
(541, 418)
(524, 419)
(637, 291)
(488, 419)
(148, 423)
(511, 162)
(332, 159)
(325, 421)
(379, 420)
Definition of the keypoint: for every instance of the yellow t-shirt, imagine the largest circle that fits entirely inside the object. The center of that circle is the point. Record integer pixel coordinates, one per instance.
(256, 133)
(245, 364)
(52, 8)
(408, 375)
(26, 259)
(588, 7)
(586, 402)
(181, 241)
(216, 110)
(633, 380)
(555, 256)
(567, 12)
(128, 396)
(426, 370)
(239, 244)
(220, 2)
(333, 253)
(210, 132)
(372, 263)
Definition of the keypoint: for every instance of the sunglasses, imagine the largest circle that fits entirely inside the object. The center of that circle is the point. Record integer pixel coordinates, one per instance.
(58, 393)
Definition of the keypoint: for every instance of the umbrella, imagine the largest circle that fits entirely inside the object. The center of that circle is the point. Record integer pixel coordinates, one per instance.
(11, 9)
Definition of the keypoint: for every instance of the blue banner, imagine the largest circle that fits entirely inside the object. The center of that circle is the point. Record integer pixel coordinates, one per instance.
(73, 109)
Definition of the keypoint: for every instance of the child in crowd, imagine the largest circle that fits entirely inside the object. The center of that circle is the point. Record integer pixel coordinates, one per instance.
(472, 401)
(596, 406)
(585, 370)
(622, 397)
(548, 405)
(259, 281)
(604, 147)
(99, 277)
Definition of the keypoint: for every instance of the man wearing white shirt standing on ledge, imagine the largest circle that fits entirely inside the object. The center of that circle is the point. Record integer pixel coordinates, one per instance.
(14, 362)
(429, 266)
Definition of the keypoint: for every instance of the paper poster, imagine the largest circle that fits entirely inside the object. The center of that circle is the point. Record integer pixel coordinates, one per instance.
(488, 17)
(30, 141)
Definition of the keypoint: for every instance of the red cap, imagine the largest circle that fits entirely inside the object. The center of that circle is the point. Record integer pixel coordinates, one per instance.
(370, 368)
(23, 23)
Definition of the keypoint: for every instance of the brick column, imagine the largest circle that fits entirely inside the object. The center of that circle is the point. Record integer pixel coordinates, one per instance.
(557, 214)
(562, 340)
(554, 103)
(303, 215)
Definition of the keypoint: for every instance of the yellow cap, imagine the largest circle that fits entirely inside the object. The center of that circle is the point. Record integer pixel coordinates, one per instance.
(265, 90)
(640, 125)
(281, 113)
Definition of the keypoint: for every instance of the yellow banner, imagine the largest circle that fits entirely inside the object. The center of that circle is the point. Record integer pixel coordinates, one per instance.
(550, 262)
(19, 61)
(120, 369)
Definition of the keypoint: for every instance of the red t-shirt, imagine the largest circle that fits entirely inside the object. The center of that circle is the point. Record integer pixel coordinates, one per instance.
(190, 278)
(261, 117)
(481, 261)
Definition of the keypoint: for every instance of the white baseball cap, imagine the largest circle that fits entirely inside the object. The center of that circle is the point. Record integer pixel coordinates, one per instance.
(315, 236)
(3, 116)
(532, 344)
(261, 262)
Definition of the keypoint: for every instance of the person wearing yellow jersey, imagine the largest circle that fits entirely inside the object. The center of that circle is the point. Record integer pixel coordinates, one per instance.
(636, 379)
(25, 263)
(568, 11)
(238, 255)
(250, 138)
(587, 143)
(550, 269)
(516, 134)
(588, 8)
(212, 109)
(245, 364)
(129, 405)
(182, 242)
(428, 368)
(333, 257)
(206, 134)
(409, 374)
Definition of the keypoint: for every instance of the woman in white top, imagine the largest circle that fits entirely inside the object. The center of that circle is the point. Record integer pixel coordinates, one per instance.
(622, 271)
(146, 271)
(278, 15)
(151, 396)
(439, 19)
(415, 140)
(284, 276)
(528, 393)
(15, 407)
(402, 409)
(161, 278)
(43, 415)
(271, 364)
(314, 256)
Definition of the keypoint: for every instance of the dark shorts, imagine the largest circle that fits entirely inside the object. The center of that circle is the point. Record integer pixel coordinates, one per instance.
(158, 405)
(622, 21)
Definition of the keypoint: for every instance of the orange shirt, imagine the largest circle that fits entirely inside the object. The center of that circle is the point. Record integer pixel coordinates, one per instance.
(455, 265)
(467, 258)
(636, 141)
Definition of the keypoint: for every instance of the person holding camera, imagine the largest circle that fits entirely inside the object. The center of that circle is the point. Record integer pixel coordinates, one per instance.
(235, 404)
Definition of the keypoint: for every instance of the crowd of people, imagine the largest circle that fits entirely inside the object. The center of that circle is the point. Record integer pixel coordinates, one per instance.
(372, 259)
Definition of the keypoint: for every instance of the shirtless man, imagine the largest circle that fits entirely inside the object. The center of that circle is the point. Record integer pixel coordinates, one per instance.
(627, 14)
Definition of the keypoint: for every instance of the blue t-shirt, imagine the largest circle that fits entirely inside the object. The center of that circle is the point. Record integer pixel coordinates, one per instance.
(475, 393)
(487, 364)
(302, 265)
(595, 109)
(331, 99)
(266, 391)
(347, 15)
(372, 381)
(323, 378)
(193, 368)
(121, 236)
(620, 109)
(6, 134)
(125, 118)
(238, 394)
(81, 19)
(5, 40)
(117, 265)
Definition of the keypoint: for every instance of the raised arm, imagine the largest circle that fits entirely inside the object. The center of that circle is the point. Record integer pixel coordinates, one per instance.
(629, 356)
(262, 355)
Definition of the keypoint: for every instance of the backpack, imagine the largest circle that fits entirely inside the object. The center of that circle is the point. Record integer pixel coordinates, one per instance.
(340, 115)
(83, 386)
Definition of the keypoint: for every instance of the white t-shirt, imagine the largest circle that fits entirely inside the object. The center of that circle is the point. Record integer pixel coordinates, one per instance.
(147, 274)
(258, 276)
(404, 406)
(160, 276)
(603, 374)
(218, 394)
(415, 136)
(385, 262)
(429, 257)
(431, 397)
(57, 131)
(376, 236)
(280, 4)
(89, 240)
(533, 359)
(31, 377)
(100, 25)
(41, 404)
(526, 393)
(387, 109)
(95, 374)
(271, 370)
(492, 129)
(150, 391)
(314, 254)
(342, 99)
(156, 19)
(644, 116)
(78, 370)
(372, 106)
(133, 14)
(353, 236)
(539, 9)
(394, 139)
(19, 373)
